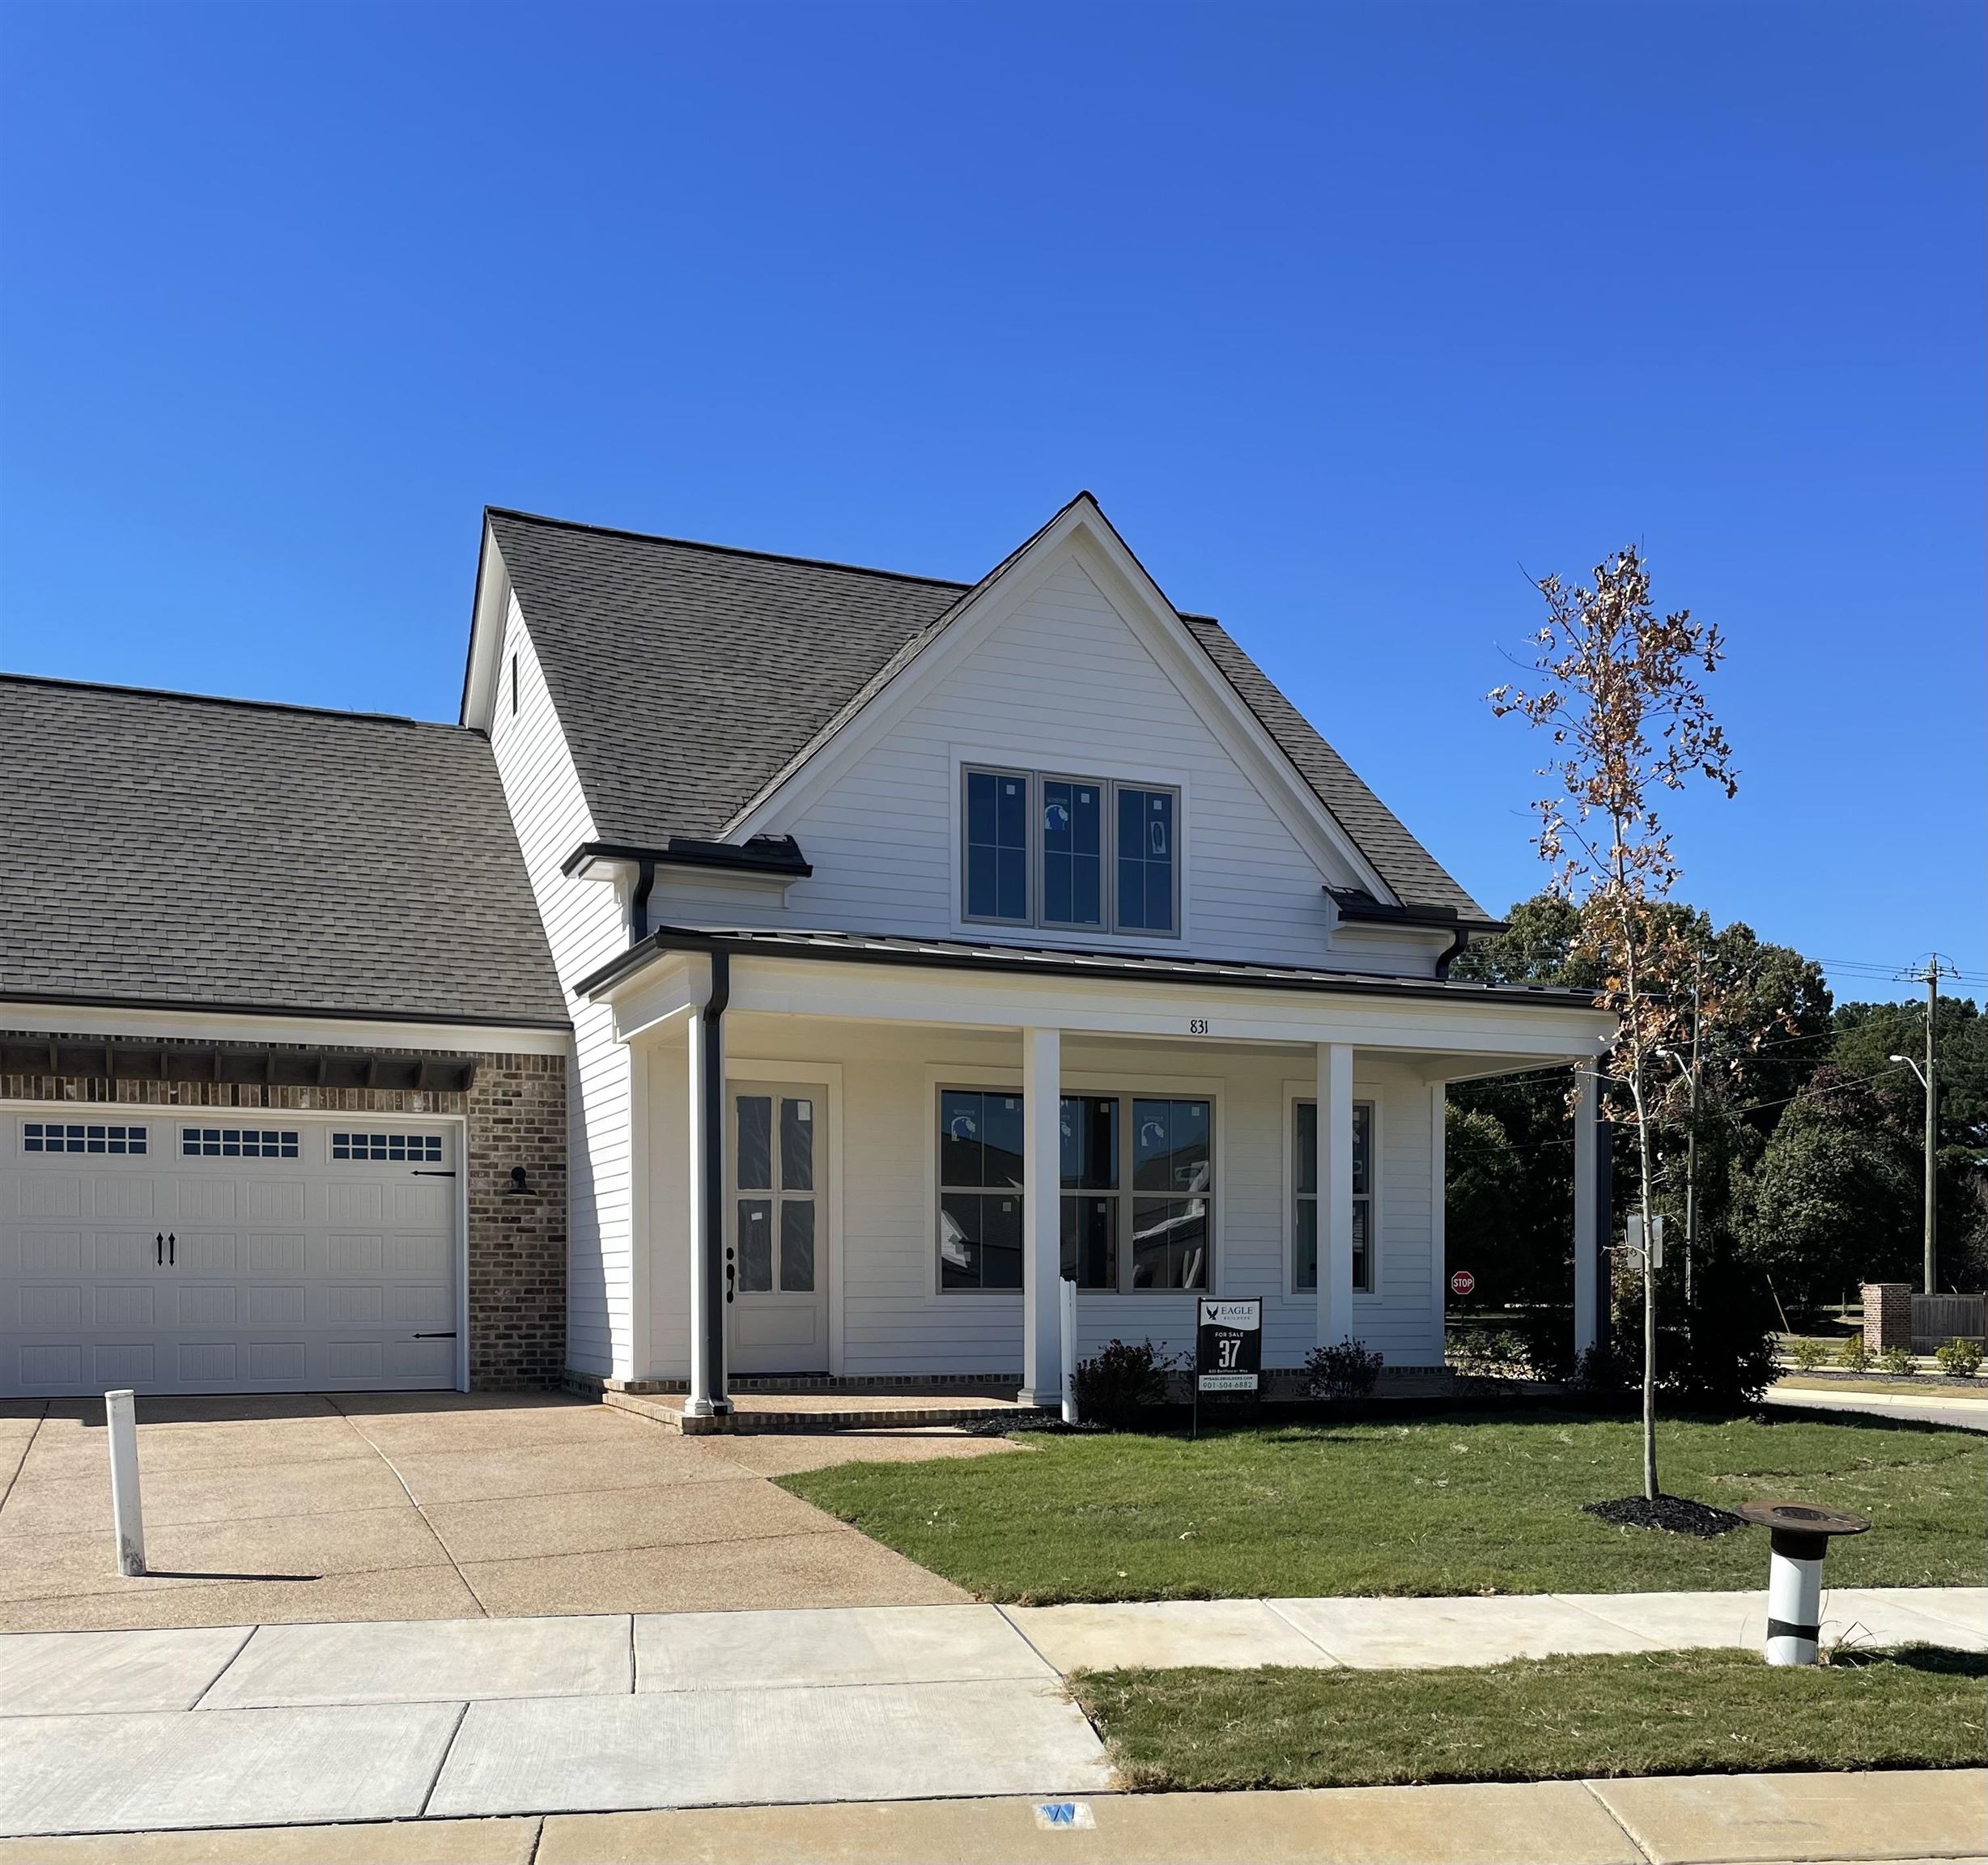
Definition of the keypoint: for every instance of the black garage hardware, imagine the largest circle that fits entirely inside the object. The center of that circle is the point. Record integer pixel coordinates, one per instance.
(167, 1248)
(429, 1172)
(449, 1336)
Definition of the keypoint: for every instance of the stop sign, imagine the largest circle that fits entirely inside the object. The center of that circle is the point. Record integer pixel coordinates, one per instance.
(1461, 1282)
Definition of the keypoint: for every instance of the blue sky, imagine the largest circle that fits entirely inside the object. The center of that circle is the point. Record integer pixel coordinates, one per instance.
(1350, 315)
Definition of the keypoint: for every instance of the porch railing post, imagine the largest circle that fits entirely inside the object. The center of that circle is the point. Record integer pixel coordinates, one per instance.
(1335, 1193)
(1042, 1226)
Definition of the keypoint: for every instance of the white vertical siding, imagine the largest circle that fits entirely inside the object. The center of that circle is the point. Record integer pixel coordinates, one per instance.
(584, 928)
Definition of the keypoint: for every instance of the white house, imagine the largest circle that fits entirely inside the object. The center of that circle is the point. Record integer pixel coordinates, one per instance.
(926, 941)
(784, 970)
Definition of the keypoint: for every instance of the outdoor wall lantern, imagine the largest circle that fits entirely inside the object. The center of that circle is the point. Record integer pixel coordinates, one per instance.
(520, 1186)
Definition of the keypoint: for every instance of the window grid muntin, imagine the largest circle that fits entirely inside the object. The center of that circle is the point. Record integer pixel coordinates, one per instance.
(1124, 1198)
(774, 1208)
(1146, 860)
(1035, 790)
(1305, 1198)
(108, 1137)
(372, 1148)
(1025, 851)
(238, 1143)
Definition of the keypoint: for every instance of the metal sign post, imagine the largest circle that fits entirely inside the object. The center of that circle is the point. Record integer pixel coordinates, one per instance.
(1228, 1349)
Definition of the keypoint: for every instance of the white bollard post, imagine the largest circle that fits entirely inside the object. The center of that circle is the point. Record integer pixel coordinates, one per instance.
(1798, 1537)
(1068, 1304)
(120, 1413)
(1793, 1596)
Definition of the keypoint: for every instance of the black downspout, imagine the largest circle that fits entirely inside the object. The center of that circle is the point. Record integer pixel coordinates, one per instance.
(1454, 950)
(717, 1291)
(639, 903)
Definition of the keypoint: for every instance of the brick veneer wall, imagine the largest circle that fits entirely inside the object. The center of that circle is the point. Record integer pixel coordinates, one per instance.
(1887, 1316)
(516, 1110)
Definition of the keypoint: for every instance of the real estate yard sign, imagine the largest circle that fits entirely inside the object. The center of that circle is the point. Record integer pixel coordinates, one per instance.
(1228, 1349)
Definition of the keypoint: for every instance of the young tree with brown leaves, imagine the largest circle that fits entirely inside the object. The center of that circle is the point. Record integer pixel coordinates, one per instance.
(1618, 693)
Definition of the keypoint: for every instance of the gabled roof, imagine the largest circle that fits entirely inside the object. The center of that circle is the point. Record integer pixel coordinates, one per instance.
(169, 849)
(688, 676)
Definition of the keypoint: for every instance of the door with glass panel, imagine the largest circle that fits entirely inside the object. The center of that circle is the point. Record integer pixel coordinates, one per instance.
(777, 1231)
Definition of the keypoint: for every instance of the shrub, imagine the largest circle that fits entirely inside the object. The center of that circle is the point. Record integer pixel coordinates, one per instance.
(1805, 1356)
(1600, 1369)
(1852, 1355)
(1487, 1353)
(1346, 1371)
(1959, 1358)
(1896, 1362)
(1121, 1382)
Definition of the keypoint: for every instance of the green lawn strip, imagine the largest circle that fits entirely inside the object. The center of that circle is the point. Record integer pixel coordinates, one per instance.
(1445, 1506)
(1660, 1713)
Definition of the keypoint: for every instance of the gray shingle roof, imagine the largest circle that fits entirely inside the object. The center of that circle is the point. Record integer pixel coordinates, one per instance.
(164, 847)
(688, 675)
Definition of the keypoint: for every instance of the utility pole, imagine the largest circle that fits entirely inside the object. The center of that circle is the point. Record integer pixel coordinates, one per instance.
(1936, 968)
(1932, 976)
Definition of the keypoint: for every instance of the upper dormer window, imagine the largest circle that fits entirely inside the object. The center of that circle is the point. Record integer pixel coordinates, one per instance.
(1069, 854)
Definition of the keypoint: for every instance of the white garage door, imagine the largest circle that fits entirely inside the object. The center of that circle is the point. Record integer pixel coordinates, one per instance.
(175, 1252)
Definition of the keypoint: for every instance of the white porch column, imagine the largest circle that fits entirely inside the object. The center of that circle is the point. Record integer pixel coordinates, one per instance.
(1335, 1193)
(1587, 1291)
(1041, 1219)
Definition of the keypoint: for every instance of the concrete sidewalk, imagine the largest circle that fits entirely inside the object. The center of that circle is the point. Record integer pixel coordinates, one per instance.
(1952, 1405)
(288, 1724)
(1701, 1820)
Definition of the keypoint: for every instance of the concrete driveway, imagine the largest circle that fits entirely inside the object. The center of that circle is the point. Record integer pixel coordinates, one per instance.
(428, 1506)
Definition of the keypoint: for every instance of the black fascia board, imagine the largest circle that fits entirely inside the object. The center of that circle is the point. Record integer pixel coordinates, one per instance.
(1059, 962)
(780, 856)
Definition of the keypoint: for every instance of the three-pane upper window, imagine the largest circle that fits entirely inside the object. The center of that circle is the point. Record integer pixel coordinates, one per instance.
(1079, 854)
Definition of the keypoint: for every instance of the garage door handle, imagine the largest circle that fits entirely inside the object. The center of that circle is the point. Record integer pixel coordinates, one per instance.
(160, 1248)
(173, 1248)
(449, 1336)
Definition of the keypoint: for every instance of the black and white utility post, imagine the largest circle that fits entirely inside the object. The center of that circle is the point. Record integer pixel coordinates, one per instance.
(1936, 968)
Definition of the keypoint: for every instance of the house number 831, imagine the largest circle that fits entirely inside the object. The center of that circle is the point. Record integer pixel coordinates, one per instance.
(1197, 1025)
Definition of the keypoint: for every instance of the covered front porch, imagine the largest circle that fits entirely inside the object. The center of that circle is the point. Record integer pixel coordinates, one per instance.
(862, 1166)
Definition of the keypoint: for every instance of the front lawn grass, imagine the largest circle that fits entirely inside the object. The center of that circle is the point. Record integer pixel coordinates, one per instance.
(1468, 1504)
(1661, 1713)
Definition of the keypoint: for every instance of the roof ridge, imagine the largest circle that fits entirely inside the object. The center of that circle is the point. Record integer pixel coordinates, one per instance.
(722, 550)
(230, 699)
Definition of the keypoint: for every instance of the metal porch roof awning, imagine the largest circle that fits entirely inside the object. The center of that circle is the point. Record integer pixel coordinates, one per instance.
(1056, 962)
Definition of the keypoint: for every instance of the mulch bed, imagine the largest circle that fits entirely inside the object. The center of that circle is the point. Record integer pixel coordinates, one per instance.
(1674, 1514)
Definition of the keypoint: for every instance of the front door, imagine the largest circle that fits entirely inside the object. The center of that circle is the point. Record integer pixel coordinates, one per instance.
(777, 1235)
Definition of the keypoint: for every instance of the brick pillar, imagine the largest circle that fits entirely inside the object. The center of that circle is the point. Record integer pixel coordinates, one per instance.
(1887, 1315)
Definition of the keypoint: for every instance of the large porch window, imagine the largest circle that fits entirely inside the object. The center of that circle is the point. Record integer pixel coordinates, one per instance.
(1305, 1198)
(1146, 1228)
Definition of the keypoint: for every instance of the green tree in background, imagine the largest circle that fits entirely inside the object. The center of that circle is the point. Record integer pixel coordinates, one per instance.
(1834, 1199)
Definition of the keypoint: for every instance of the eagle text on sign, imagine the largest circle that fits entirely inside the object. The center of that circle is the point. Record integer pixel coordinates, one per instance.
(1229, 1345)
